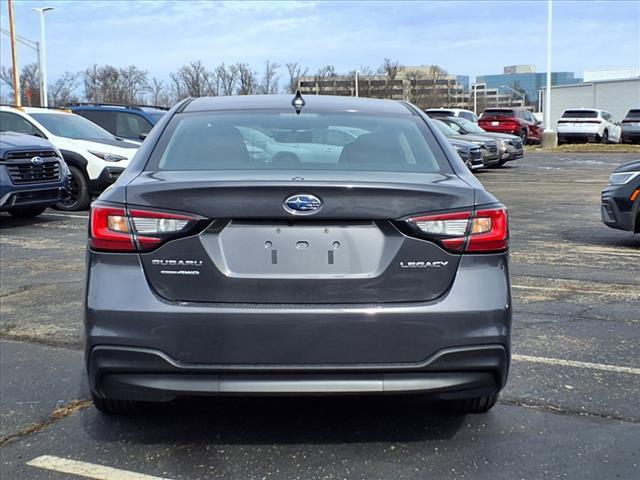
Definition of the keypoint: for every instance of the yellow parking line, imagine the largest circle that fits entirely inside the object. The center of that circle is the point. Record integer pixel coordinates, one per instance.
(87, 470)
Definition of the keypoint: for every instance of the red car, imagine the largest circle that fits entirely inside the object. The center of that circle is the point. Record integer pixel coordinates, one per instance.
(516, 121)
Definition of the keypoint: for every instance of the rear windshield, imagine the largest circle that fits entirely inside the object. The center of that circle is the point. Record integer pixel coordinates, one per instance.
(633, 114)
(440, 113)
(498, 113)
(273, 140)
(580, 114)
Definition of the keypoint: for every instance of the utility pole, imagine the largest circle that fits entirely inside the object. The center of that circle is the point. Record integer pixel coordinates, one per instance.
(14, 57)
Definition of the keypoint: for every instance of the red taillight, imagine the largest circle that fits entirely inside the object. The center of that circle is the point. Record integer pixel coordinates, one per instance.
(484, 231)
(118, 230)
(493, 232)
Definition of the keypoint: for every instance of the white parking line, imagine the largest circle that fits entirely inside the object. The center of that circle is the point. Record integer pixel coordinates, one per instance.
(573, 363)
(87, 470)
(65, 215)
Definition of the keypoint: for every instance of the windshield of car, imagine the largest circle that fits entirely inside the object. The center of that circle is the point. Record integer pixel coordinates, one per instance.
(469, 127)
(633, 114)
(259, 140)
(498, 113)
(72, 126)
(580, 114)
(446, 129)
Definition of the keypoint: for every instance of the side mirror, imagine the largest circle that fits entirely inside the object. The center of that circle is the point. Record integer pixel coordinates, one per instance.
(539, 122)
(142, 136)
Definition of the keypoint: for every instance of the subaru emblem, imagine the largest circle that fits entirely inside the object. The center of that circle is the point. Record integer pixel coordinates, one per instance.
(37, 161)
(302, 204)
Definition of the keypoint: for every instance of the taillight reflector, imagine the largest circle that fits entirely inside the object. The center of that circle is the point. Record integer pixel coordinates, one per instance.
(484, 231)
(116, 229)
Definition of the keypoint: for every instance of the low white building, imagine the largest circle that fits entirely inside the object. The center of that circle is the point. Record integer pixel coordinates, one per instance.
(611, 74)
(615, 96)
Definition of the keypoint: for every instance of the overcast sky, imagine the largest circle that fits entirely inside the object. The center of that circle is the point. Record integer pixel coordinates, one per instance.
(466, 38)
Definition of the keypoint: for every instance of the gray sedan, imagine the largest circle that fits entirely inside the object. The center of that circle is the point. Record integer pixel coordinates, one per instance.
(209, 273)
(509, 146)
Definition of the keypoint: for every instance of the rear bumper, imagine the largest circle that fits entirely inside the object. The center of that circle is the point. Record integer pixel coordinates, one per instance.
(630, 134)
(144, 374)
(498, 129)
(578, 136)
(139, 346)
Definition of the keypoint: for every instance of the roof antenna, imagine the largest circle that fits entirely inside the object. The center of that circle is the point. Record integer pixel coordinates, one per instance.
(298, 102)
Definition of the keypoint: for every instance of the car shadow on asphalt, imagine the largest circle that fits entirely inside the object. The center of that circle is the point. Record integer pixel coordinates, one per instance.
(602, 236)
(283, 420)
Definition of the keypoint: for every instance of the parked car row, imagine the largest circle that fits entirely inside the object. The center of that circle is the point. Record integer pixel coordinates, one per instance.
(94, 156)
(579, 125)
(510, 121)
(495, 149)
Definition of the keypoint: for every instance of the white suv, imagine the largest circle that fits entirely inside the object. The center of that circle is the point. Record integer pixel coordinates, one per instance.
(588, 125)
(95, 157)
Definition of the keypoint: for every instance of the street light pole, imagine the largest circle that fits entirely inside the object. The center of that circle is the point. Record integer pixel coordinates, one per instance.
(547, 97)
(42, 60)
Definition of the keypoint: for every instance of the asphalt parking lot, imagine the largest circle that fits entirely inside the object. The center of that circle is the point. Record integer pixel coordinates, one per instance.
(571, 408)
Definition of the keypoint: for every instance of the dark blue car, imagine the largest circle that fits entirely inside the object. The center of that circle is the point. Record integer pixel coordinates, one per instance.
(33, 175)
(132, 122)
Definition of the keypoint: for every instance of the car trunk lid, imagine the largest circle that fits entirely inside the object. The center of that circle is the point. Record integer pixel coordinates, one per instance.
(255, 251)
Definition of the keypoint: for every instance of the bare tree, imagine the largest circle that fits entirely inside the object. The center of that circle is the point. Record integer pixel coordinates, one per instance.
(436, 97)
(293, 68)
(270, 78)
(156, 90)
(193, 80)
(29, 83)
(228, 78)
(133, 84)
(390, 69)
(62, 91)
(247, 82)
(295, 73)
(108, 84)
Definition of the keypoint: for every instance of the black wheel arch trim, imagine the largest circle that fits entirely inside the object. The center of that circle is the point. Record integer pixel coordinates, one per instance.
(75, 159)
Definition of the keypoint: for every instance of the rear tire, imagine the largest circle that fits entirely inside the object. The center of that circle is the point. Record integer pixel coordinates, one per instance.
(26, 212)
(523, 136)
(112, 406)
(471, 405)
(79, 198)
